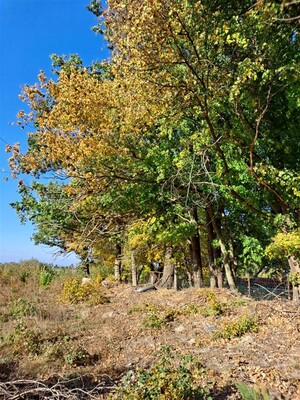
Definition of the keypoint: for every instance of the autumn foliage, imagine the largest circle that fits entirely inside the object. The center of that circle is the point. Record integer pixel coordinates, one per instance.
(179, 152)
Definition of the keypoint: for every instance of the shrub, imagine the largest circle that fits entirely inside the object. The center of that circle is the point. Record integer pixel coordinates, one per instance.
(75, 292)
(156, 319)
(240, 327)
(171, 377)
(215, 307)
(46, 277)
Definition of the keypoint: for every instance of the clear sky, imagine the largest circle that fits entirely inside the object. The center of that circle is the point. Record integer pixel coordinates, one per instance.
(30, 31)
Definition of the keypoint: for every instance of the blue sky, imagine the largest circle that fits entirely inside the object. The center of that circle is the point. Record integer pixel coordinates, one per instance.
(30, 31)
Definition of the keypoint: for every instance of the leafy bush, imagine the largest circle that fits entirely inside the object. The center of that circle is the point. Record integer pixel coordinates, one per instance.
(171, 377)
(46, 277)
(156, 319)
(214, 307)
(240, 327)
(75, 292)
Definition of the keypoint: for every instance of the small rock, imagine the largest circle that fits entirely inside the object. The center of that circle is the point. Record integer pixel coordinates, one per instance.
(108, 314)
(209, 328)
(179, 329)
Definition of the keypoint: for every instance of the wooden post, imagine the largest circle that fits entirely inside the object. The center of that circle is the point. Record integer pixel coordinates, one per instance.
(289, 286)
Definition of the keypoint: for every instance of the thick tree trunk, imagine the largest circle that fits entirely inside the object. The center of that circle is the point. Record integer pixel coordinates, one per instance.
(220, 279)
(133, 268)
(169, 268)
(227, 267)
(295, 269)
(118, 263)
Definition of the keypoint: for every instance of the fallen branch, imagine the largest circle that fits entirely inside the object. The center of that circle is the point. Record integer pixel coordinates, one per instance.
(57, 388)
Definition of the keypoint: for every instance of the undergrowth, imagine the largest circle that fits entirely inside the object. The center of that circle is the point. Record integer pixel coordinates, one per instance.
(171, 377)
(237, 328)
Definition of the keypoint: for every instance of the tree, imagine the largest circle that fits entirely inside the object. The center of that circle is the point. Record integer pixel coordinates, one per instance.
(186, 120)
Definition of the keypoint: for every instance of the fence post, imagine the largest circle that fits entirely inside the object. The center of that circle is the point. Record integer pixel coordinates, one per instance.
(288, 286)
(249, 284)
(175, 279)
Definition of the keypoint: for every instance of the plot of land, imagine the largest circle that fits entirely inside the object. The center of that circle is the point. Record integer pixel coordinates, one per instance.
(42, 337)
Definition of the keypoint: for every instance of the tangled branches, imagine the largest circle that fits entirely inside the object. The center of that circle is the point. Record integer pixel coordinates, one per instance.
(58, 388)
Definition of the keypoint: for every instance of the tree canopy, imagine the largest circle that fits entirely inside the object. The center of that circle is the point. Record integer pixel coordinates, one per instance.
(184, 144)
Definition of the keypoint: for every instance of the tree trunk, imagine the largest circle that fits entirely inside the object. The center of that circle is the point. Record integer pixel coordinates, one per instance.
(169, 267)
(196, 254)
(133, 268)
(216, 279)
(227, 267)
(220, 279)
(295, 269)
(118, 263)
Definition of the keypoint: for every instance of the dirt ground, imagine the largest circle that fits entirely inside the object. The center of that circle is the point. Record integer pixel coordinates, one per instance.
(129, 331)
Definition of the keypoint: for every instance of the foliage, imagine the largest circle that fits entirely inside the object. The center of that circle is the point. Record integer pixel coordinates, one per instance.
(240, 327)
(197, 109)
(22, 308)
(156, 319)
(77, 356)
(252, 254)
(215, 306)
(255, 393)
(295, 278)
(46, 277)
(171, 377)
(75, 292)
(192, 309)
(284, 244)
(25, 339)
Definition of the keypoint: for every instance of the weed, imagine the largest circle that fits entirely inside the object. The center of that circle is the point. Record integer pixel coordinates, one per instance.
(238, 302)
(171, 377)
(23, 276)
(214, 307)
(240, 327)
(77, 356)
(144, 307)
(26, 340)
(192, 309)
(153, 320)
(22, 308)
(46, 277)
(255, 393)
(156, 320)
